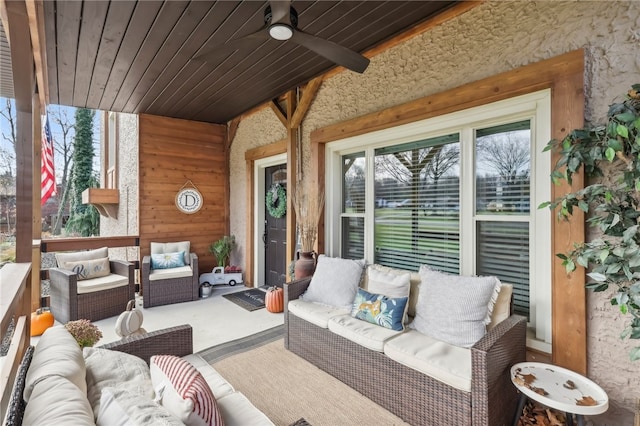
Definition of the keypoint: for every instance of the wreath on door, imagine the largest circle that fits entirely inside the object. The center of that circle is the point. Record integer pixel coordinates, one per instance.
(276, 202)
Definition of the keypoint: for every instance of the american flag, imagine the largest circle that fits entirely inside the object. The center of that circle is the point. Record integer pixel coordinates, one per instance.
(47, 170)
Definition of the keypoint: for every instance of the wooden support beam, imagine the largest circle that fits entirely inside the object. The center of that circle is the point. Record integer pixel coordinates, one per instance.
(232, 128)
(308, 95)
(282, 115)
(36, 226)
(292, 175)
(35, 12)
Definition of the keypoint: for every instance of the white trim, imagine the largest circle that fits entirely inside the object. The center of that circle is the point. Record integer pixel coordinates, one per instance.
(535, 107)
(259, 211)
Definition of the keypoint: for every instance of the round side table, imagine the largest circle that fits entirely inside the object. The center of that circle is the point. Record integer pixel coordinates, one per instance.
(562, 390)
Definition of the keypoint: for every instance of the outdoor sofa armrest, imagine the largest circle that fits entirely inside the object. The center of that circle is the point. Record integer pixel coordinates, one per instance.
(294, 289)
(176, 341)
(491, 360)
(63, 287)
(122, 267)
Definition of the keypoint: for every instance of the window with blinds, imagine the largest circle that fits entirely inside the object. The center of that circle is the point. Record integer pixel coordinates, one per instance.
(457, 193)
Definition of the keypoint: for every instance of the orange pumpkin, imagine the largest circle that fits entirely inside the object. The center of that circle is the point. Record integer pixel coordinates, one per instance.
(40, 321)
(274, 301)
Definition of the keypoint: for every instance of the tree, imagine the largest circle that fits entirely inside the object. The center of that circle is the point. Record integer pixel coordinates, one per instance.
(83, 219)
(7, 168)
(507, 154)
(64, 148)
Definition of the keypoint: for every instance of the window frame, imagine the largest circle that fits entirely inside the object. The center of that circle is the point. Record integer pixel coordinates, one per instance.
(535, 106)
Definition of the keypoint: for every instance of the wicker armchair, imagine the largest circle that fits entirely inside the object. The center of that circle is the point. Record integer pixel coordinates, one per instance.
(69, 305)
(158, 291)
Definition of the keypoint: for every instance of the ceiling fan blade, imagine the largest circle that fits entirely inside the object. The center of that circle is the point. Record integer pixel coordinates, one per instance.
(332, 51)
(247, 42)
(280, 12)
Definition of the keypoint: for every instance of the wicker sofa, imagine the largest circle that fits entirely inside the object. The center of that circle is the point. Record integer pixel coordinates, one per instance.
(64, 385)
(413, 395)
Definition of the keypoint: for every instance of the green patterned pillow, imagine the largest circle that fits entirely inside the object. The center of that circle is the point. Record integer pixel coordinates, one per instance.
(167, 260)
(379, 309)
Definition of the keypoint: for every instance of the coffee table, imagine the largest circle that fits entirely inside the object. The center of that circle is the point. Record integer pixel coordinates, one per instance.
(558, 388)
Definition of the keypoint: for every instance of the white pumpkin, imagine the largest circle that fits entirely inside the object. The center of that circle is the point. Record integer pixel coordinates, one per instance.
(130, 321)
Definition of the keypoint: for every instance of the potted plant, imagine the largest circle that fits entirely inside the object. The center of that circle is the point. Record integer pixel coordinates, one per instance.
(308, 206)
(222, 248)
(611, 153)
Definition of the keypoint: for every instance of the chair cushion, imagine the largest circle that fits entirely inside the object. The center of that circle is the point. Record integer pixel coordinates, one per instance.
(182, 390)
(165, 274)
(363, 333)
(447, 363)
(102, 283)
(161, 248)
(455, 308)
(90, 268)
(379, 309)
(167, 260)
(57, 354)
(316, 313)
(57, 401)
(502, 308)
(335, 281)
(76, 256)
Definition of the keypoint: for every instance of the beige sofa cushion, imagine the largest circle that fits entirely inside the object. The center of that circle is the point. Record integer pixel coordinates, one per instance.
(414, 284)
(315, 313)
(444, 362)
(119, 407)
(57, 354)
(502, 307)
(166, 274)
(62, 258)
(218, 385)
(162, 248)
(102, 283)
(369, 335)
(237, 410)
(57, 401)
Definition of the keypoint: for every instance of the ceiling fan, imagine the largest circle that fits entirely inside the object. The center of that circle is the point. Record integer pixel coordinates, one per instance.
(281, 23)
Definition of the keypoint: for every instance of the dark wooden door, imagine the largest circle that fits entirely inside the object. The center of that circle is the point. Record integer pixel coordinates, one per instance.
(275, 236)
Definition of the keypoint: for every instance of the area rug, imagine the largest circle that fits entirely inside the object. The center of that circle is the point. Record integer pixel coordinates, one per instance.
(251, 300)
(287, 388)
(227, 349)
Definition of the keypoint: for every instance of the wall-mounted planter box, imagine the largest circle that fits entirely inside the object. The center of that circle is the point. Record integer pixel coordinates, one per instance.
(104, 200)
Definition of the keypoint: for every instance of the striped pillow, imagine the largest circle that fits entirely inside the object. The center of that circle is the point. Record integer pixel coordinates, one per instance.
(182, 390)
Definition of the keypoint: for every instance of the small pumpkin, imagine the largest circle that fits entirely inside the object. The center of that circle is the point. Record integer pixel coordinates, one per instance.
(274, 301)
(41, 319)
(130, 321)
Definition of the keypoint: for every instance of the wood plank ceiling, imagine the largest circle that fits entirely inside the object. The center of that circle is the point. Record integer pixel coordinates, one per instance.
(136, 56)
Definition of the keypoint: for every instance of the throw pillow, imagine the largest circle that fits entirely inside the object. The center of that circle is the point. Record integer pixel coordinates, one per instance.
(87, 269)
(183, 391)
(81, 255)
(167, 260)
(454, 308)
(119, 407)
(107, 368)
(380, 309)
(335, 281)
(390, 283)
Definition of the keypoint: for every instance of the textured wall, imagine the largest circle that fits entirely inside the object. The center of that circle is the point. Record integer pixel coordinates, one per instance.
(492, 38)
(127, 221)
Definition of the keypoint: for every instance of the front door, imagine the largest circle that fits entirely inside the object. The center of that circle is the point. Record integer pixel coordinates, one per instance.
(275, 225)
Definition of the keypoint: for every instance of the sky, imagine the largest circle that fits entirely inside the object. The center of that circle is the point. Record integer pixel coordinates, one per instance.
(55, 131)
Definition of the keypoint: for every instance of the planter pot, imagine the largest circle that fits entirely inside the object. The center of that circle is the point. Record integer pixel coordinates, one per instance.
(305, 264)
(205, 291)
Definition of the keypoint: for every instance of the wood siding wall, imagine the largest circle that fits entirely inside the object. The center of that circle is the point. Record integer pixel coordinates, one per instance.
(173, 152)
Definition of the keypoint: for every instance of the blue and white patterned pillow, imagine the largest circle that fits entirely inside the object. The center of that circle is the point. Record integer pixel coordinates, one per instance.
(167, 260)
(379, 309)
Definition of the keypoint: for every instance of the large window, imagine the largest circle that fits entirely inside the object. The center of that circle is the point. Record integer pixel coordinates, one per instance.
(458, 193)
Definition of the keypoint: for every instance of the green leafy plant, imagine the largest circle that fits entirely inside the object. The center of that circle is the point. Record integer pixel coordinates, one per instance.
(613, 205)
(222, 248)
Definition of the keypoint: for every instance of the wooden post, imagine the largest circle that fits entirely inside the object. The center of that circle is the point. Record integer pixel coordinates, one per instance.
(36, 226)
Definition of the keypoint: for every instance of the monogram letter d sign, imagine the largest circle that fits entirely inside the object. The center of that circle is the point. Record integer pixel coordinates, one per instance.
(189, 200)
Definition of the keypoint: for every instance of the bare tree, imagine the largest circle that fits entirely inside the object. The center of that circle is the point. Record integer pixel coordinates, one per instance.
(7, 166)
(64, 148)
(8, 114)
(507, 154)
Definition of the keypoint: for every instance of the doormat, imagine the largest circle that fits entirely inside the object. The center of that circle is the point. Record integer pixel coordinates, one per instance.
(251, 300)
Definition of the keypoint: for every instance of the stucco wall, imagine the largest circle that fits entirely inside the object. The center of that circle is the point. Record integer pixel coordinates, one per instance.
(492, 38)
(127, 220)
